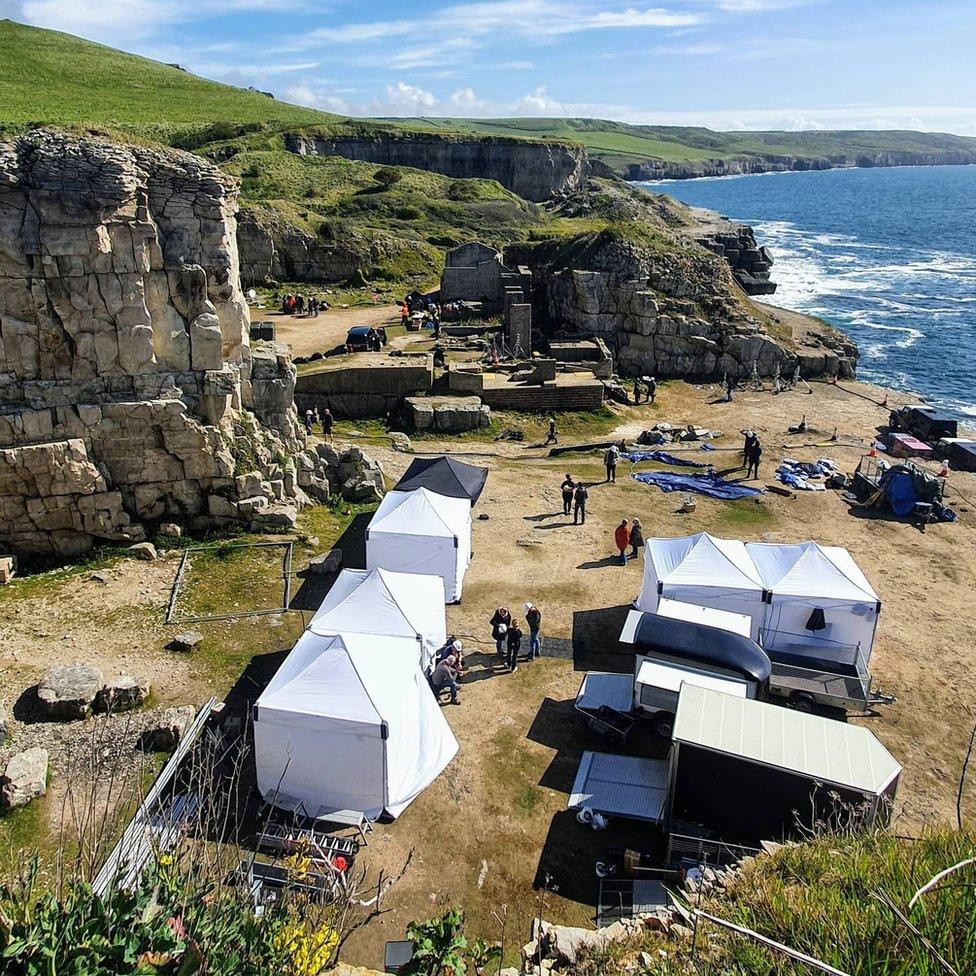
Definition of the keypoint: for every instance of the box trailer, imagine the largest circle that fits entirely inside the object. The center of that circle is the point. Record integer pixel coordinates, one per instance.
(741, 771)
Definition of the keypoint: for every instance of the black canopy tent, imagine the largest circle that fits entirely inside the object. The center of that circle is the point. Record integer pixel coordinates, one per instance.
(444, 476)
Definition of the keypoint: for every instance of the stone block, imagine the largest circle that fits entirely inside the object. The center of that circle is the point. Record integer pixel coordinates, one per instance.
(122, 693)
(68, 691)
(24, 778)
(185, 642)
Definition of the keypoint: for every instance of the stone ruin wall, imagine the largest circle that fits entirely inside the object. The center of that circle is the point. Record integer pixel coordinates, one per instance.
(129, 393)
(675, 315)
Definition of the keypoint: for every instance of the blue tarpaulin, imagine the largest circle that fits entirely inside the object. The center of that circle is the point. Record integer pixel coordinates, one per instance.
(901, 492)
(703, 484)
(662, 457)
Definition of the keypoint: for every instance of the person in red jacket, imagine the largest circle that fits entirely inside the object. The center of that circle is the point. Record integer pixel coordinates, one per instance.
(621, 537)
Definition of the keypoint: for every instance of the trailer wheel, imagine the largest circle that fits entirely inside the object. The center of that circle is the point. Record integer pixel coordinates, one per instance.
(800, 701)
(663, 724)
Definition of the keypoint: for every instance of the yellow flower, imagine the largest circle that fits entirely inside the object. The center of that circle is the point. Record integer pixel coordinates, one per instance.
(306, 954)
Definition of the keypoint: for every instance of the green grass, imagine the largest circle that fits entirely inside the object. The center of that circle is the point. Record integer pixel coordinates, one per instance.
(821, 898)
(57, 79)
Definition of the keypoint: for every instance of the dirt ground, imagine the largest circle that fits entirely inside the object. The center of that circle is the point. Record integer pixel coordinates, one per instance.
(495, 823)
(307, 335)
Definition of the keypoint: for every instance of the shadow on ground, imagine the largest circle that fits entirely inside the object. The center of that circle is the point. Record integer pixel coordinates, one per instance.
(314, 587)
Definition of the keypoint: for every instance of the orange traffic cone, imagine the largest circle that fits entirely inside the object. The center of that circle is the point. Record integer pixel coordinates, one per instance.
(874, 450)
(944, 473)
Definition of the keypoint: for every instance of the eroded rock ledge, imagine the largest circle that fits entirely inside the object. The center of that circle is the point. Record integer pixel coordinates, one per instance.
(129, 393)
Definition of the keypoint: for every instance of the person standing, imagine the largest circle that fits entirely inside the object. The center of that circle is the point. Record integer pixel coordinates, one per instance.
(579, 504)
(755, 456)
(308, 422)
(651, 389)
(610, 461)
(299, 304)
(552, 437)
(729, 387)
(638, 389)
(636, 538)
(404, 314)
(328, 422)
(747, 445)
(500, 622)
(533, 617)
(567, 488)
(514, 640)
(621, 538)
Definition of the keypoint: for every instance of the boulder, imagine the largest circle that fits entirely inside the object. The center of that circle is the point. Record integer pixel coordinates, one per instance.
(400, 441)
(143, 550)
(326, 563)
(24, 778)
(170, 530)
(172, 726)
(185, 642)
(358, 489)
(68, 691)
(122, 693)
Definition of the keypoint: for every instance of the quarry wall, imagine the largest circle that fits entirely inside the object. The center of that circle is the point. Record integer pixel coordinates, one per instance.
(536, 171)
(129, 393)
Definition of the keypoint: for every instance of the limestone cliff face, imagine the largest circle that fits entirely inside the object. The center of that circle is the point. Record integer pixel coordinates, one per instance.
(536, 171)
(670, 311)
(129, 393)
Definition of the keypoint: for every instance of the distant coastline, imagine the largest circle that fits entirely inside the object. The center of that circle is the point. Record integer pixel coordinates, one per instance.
(652, 171)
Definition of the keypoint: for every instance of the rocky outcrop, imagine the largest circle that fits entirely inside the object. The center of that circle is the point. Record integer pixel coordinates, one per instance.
(662, 307)
(24, 778)
(446, 415)
(749, 262)
(659, 169)
(129, 393)
(535, 170)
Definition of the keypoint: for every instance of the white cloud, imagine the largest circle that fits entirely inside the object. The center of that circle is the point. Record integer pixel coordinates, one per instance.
(404, 99)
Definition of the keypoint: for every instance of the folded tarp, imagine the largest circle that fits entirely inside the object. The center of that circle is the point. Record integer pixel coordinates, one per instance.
(662, 457)
(703, 484)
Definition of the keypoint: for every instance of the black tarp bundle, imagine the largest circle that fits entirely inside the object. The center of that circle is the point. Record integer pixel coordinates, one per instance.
(444, 476)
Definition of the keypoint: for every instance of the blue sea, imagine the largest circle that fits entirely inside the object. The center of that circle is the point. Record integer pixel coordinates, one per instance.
(887, 255)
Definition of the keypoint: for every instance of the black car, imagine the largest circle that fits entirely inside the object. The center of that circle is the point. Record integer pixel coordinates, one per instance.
(358, 339)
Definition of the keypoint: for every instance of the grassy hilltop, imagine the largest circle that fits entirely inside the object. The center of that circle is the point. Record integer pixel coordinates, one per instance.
(58, 79)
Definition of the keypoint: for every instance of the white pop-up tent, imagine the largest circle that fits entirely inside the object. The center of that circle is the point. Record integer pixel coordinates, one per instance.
(378, 601)
(705, 571)
(819, 603)
(422, 532)
(349, 723)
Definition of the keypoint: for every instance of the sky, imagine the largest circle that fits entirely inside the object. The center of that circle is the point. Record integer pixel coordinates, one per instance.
(726, 64)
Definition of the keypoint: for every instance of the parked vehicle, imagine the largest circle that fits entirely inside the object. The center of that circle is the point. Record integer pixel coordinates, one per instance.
(928, 424)
(357, 340)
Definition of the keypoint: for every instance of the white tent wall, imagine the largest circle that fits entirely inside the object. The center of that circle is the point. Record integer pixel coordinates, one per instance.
(421, 532)
(335, 765)
(807, 577)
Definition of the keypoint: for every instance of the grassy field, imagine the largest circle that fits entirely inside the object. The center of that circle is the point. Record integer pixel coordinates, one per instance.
(59, 79)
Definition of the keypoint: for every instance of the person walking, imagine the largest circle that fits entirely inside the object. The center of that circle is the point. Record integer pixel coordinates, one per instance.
(579, 504)
(610, 462)
(328, 422)
(500, 622)
(445, 676)
(533, 617)
(552, 437)
(621, 538)
(567, 488)
(514, 641)
(308, 422)
(729, 387)
(755, 456)
(636, 538)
